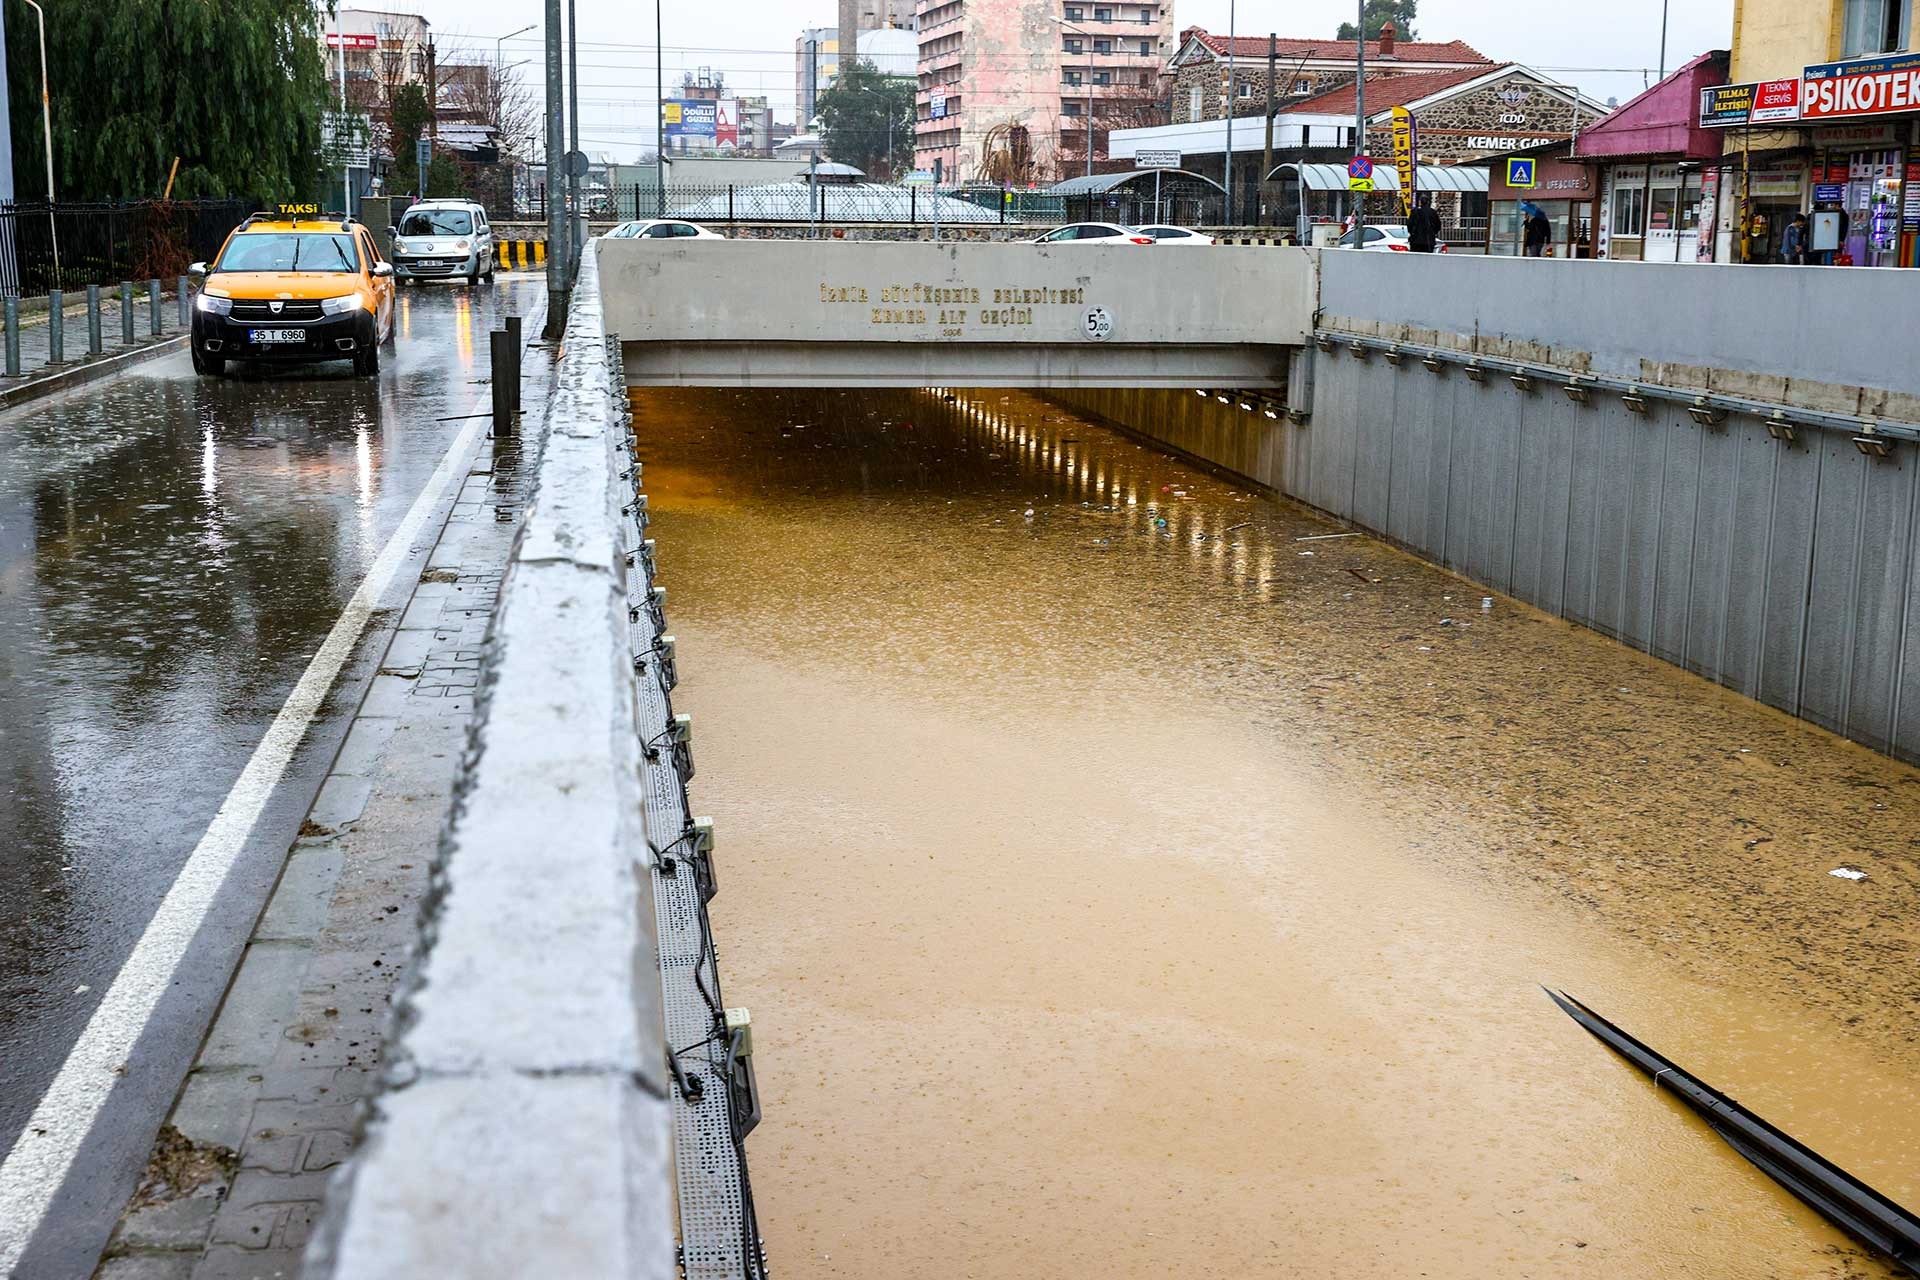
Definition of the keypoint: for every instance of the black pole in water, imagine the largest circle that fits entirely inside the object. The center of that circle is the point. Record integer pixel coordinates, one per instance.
(1843, 1199)
(515, 347)
(502, 360)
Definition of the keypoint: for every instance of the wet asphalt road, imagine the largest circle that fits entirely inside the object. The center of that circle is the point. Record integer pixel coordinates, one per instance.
(173, 550)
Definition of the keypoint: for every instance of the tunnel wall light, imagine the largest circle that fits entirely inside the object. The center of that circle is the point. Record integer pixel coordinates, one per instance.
(1476, 372)
(1782, 428)
(1434, 363)
(1324, 341)
(1521, 379)
(1360, 350)
(1706, 413)
(1396, 357)
(1634, 400)
(1579, 390)
(1874, 445)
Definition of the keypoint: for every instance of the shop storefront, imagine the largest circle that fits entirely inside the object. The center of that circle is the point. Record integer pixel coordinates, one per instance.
(1560, 189)
(1652, 212)
(1861, 118)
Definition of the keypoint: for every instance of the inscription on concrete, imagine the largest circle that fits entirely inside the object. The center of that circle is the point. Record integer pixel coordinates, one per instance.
(950, 308)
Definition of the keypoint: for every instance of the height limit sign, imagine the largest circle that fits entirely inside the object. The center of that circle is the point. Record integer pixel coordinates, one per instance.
(1360, 173)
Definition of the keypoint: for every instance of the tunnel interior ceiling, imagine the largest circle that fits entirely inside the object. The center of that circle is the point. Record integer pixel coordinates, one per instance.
(893, 364)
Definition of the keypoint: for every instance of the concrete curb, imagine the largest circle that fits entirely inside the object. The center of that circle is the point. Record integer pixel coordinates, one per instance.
(522, 1128)
(80, 375)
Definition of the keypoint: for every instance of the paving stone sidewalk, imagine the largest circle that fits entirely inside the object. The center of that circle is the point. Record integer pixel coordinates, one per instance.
(236, 1182)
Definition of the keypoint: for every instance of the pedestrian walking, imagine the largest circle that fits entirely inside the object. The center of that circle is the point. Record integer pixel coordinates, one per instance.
(1537, 232)
(1423, 225)
(1793, 244)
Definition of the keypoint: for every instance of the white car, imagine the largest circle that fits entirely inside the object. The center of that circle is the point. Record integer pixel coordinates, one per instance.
(1387, 239)
(662, 229)
(1175, 235)
(1094, 233)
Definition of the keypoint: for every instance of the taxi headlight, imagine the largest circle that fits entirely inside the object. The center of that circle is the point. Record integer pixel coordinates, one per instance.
(340, 306)
(212, 305)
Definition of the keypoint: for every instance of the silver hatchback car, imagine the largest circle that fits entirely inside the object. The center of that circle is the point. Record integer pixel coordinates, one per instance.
(443, 240)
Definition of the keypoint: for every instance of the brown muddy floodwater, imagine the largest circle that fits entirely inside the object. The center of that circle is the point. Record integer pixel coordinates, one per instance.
(1134, 900)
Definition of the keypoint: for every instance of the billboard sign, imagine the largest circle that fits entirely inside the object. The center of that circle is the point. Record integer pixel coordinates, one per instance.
(1881, 85)
(703, 122)
(351, 41)
(1156, 159)
(937, 107)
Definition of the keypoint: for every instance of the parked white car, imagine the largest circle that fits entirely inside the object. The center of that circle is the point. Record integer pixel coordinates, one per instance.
(442, 240)
(1388, 239)
(662, 229)
(1094, 233)
(1175, 235)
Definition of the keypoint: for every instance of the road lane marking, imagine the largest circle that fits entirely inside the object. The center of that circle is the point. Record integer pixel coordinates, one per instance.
(45, 1151)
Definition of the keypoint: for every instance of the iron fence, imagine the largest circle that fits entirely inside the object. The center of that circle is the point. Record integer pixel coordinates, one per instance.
(105, 242)
(798, 200)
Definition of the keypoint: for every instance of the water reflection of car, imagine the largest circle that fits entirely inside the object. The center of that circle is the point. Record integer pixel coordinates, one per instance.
(1094, 233)
(662, 229)
(1383, 239)
(1176, 235)
(443, 240)
(295, 288)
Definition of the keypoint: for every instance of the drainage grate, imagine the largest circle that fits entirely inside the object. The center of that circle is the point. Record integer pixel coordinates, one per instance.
(718, 1235)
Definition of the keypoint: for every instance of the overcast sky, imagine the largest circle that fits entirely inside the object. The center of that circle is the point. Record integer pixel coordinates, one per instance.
(1610, 52)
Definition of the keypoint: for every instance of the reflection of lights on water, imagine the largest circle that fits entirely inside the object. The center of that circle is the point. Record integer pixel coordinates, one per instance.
(406, 316)
(209, 463)
(463, 328)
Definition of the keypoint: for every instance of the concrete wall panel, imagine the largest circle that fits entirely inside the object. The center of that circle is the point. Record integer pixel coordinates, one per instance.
(1833, 587)
(1674, 550)
(1789, 556)
(1880, 611)
(1749, 561)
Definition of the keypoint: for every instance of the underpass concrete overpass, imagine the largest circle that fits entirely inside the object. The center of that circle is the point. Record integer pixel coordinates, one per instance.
(836, 314)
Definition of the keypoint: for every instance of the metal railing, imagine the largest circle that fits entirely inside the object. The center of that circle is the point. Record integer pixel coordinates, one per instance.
(105, 242)
(798, 200)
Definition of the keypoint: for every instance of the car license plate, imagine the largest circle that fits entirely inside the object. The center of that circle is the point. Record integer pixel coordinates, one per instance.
(277, 335)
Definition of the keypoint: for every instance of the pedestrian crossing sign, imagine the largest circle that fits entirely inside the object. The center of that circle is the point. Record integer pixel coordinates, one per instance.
(1520, 173)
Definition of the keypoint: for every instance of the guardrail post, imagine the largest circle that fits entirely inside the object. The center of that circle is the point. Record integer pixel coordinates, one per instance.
(501, 359)
(516, 347)
(181, 291)
(153, 306)
(126, 312)
(56, 327)
(12, 306)
(93, 320)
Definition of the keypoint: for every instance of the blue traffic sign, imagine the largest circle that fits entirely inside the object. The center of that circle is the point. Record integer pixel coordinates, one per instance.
(1520, 173)
(1360, 167)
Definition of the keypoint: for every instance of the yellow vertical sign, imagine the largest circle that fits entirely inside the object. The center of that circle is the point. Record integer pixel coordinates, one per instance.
(1404, 159)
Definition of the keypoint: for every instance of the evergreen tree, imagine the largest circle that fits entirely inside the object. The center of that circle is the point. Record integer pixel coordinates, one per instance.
(864, 114)
(1375, 15)
(234, 88)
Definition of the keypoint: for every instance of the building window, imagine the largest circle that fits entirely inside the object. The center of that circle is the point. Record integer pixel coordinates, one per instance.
(1146, 48)
(1073, 44)
(1072, 77)
(1073, 13)
(1629, 210)
(1246, 88)
(1103, 15)
(1194, 107)
(1875, 26)
(1303, 87)
(1146, 17)
(1070, 108)
(1146, 79)
(1103, 77)
(1103, 46)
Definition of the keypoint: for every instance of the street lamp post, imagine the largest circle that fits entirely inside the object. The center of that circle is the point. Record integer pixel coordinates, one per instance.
(1088, 37)
(1360, 124)
(498, 58)
(46, 127)
(1233, 88)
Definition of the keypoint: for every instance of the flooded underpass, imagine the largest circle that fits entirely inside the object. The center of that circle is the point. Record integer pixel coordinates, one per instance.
(1132, 875)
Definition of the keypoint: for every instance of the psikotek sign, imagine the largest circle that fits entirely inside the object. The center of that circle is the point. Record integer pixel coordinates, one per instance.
(1876, 86)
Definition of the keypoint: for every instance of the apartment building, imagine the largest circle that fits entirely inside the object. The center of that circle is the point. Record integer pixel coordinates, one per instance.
(1017, 91)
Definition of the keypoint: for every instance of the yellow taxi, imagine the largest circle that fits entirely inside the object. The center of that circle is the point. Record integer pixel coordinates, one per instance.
(296, 285)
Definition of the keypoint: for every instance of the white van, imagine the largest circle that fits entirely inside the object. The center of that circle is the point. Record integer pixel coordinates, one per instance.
(443, 240)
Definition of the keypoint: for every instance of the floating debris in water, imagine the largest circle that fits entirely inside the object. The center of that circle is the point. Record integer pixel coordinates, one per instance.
(1849, 873)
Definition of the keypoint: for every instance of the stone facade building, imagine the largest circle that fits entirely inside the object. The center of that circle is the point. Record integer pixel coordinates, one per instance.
(1304, 69)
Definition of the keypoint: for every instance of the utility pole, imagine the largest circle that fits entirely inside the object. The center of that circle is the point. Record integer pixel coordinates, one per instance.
(9, 277)
(578, 215)
(1233, 85)
(433, 98)
(659, 118)
(556, 199)
(1663, 41)
(1273, 67)
(346, 170)
(1360, 124)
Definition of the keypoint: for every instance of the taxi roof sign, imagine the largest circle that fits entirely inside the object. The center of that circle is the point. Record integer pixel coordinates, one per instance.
(293, 210)
(1520, 173)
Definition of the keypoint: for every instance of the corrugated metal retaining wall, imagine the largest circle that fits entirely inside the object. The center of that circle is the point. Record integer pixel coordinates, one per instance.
(1786, 572)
